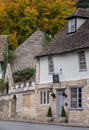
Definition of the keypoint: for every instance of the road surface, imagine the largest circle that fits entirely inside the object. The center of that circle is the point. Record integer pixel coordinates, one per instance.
(28, 126)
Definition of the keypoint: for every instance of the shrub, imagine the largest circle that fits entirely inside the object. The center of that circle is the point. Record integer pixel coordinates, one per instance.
(63, 113)
(3, 84)
(11, 57)
(23, 75)
(49, 113)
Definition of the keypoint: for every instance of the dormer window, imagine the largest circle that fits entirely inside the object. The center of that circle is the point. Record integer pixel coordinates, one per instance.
(72, 25)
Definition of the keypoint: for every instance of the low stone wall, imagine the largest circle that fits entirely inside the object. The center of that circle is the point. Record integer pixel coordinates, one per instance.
(22, 87)
(28, 104)
(4, 107)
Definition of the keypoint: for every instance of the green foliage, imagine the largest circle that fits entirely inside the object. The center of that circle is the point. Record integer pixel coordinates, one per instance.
(21, 76)
(49, 113)
(20, 18)
(11, 56)
(83, 4)
(63, 113)
(2, 85)
(46, 40)
(5, 55)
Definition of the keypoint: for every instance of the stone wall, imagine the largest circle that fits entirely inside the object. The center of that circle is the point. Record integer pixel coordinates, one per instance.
(81, 116)
(4, 107)
(78, 116)
(42, 109)
(28, 103)
(29, 106)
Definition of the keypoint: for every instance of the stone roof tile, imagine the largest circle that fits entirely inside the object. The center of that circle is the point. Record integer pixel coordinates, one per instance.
(64, 42)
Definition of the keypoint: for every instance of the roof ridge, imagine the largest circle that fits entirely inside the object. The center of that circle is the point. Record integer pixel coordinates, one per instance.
(29, 38)
(76, 12)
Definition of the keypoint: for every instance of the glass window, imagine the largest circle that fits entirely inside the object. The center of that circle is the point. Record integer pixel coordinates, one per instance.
(50, 65)
(44, 97)
(72, 26)
(82, 60)
(76, 98)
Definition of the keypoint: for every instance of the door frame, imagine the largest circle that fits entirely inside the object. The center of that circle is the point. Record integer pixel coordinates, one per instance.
(57, 101)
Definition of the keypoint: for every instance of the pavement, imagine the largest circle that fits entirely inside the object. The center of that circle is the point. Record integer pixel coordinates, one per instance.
(50, 123)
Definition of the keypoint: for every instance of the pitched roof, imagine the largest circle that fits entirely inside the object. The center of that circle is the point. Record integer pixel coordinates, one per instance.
(3, 41)
(84, 13)
(33, 39)
(64, 42)
(27, 50)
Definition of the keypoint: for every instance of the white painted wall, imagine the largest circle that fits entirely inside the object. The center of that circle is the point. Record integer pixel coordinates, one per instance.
(70, 68)
(80, 21)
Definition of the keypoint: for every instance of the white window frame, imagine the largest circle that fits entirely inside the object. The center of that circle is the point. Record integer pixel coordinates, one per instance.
(50, 65)
(72, 25)
(82, 61)
(77, 98)
(44, 97)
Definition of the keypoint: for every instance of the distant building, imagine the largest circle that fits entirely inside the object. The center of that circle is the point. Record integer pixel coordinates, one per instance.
(26, 51)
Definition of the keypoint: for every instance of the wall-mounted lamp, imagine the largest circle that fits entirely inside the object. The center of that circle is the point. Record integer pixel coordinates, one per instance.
(64, 94)
(53, 95)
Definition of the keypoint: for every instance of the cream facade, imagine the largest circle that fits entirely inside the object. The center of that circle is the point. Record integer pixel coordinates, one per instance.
(68, 64)
(73, 114)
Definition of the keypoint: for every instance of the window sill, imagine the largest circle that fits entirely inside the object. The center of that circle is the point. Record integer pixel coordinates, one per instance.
(50, 73)
(82, 70)
(44, 104)
(71, 32)
(76, 109)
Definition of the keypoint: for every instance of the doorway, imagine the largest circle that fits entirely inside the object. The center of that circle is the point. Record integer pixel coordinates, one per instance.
(13, 106)
(60, 102)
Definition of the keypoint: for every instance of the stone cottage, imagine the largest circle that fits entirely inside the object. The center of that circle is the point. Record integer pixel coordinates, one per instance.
(27, 50)
(62, 71)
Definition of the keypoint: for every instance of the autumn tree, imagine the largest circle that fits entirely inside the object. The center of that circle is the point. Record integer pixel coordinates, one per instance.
(20, 18)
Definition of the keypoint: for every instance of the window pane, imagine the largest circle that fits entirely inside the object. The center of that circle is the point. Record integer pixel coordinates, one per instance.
(79, 98)
(71, 25)
(50, 65)
(51, 68)
(44, 97)
(74, 98)
(82, 60)
(41, 97)
(47, 96)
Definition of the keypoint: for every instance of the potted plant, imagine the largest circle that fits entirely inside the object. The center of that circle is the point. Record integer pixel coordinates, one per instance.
(63, 115)
(49, 115)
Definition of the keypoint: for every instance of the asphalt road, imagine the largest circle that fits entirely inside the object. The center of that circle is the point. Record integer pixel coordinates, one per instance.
(28, 126)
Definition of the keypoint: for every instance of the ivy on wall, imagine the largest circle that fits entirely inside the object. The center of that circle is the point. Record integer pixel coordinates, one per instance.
(2, 85)
(5, 56)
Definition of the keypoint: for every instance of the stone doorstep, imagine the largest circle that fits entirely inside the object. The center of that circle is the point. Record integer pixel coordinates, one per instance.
(47, 123)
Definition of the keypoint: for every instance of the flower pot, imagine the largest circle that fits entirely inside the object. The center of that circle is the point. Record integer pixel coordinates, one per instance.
(62, 119)
(49, 119)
